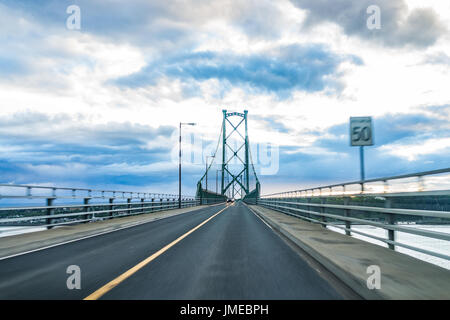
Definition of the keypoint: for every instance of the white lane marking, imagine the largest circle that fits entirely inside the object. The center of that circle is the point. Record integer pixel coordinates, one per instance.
(90, 236)
(258, 216)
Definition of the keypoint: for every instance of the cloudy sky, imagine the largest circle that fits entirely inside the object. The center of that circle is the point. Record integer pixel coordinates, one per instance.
(100, 106)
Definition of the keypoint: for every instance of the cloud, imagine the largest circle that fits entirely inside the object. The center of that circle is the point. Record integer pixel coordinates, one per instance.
(414, 150)
(394, 129)
(64, 128)
(65, 150)
(420, 27)
(170, 60)
(39, 142)
(439, 58)
(11, 66)
(308, 68)
(165, 25)
(252, 16)
(273, 122)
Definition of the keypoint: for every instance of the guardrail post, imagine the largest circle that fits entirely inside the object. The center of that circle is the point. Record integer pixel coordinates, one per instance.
(129, 205)
(153, 203)
(348, 224)
(160, 204)
(390, 220)
(50, 212)
(111, 207)
(308, 208)
(289, 205)
(296, 205)
(322, 210)
(86, 209)
(142, 205)
(421, 183)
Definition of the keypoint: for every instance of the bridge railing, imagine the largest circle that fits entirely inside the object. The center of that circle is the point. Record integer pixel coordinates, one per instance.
(406, 211)
(208, 197)
(65, 206)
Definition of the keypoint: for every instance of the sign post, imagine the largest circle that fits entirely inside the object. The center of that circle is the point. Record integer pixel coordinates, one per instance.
(361, 134)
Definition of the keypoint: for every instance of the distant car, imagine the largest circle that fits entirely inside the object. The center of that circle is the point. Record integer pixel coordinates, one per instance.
(230, 200)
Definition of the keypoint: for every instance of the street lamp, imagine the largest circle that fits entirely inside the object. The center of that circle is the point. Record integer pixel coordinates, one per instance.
(179, 162)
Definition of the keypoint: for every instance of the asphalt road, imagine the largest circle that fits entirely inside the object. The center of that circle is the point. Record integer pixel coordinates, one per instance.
(234, 255)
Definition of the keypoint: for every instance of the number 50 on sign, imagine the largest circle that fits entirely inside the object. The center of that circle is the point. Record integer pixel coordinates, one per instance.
(361, 133)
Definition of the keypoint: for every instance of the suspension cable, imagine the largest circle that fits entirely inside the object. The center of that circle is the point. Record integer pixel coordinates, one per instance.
(214, 156)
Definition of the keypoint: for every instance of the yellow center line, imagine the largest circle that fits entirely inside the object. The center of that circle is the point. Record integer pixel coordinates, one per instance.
(107, 287)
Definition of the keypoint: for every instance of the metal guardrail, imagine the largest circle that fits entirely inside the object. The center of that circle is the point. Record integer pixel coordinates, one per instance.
(364, 184)
(209, 197)
(52, 215)
(75, 193)
(303, 204)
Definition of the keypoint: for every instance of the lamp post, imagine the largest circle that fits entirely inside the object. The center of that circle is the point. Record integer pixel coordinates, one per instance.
(179, 162)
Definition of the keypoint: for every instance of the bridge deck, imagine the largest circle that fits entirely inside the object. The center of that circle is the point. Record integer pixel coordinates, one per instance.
(234, 255)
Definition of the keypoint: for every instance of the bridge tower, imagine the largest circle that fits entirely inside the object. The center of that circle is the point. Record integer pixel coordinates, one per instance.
(236, 180)
(239, 183)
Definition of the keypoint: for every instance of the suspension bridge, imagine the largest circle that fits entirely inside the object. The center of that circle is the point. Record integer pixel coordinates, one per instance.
(315, 243)
(237, 181)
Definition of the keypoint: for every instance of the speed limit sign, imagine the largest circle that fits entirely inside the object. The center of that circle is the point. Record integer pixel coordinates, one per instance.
(361, 133)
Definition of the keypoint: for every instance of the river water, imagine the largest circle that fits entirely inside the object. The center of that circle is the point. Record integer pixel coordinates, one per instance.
(434, 245)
